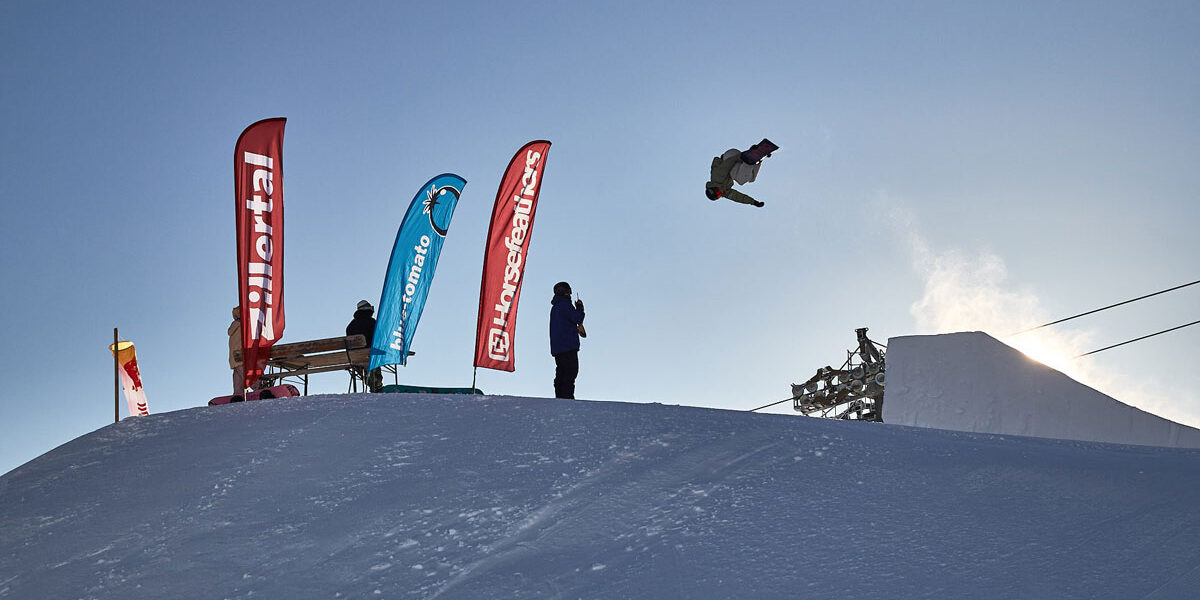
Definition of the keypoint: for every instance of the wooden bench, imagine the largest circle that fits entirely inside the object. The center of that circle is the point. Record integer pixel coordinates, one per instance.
(300, 359)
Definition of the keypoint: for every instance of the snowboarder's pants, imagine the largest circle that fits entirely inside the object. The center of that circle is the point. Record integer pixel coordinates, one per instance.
(566, 368)
(372, 380)
(239, 380)
(375, 380)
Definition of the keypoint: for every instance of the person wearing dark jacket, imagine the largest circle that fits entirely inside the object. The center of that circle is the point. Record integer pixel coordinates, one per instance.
(720, 179)
(364, 324)
(565, 324)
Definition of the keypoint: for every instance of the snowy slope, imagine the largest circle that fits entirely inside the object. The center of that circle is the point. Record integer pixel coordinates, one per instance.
(971, 381)
(411, 496)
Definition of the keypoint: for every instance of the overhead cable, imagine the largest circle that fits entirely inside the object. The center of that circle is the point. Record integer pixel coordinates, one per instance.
(1104, 308)
(771, 404)
(1137, 339)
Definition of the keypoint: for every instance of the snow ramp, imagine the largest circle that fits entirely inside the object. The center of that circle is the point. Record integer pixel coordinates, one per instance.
(973, 382)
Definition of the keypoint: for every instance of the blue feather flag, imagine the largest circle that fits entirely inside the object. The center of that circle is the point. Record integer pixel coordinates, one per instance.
(411, 268)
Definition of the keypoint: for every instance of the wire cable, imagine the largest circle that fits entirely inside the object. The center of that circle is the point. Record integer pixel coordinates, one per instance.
(1137, 339)
(1105, 308)
(771, 404)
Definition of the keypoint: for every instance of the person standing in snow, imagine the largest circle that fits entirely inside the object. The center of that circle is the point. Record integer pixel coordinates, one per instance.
(566, 321)
(363, 324)
(720, 179)
(235, 345)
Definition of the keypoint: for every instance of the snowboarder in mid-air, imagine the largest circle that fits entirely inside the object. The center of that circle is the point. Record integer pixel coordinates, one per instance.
(735, 165)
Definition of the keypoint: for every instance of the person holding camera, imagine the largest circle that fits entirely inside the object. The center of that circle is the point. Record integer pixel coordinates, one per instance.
(566, 327)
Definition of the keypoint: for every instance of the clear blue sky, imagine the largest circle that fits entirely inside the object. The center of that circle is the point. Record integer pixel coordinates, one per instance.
(945, 166)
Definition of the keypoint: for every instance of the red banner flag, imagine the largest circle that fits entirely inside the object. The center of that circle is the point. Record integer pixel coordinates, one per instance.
(505, 255)
(258, 200)
(131, 378)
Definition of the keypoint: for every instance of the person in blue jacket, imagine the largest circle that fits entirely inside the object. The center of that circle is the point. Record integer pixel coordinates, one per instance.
(566, 325)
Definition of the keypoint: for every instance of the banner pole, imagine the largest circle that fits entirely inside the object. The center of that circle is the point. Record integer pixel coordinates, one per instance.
(116, 381)
(474, 372)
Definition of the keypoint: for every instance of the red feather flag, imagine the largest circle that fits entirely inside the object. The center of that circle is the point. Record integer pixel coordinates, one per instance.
(258, 200)
(505, 256)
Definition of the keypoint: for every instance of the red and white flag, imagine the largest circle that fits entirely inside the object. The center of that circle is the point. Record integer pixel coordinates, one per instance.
(258, 200)
(131, 378)
(505, 255)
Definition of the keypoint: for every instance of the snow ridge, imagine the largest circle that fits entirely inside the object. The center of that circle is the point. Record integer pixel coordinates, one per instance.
(422, 496)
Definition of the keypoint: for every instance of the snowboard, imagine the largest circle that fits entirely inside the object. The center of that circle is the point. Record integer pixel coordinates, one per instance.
(759, 151)
(280, 391)
(420, 389)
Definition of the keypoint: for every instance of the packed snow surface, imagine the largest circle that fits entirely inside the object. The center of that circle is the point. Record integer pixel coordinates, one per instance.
(973, 382)
(457, 497)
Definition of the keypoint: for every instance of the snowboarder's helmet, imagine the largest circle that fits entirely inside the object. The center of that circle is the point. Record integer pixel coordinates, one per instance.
(562, 288)
(712, 193)
(364, 305)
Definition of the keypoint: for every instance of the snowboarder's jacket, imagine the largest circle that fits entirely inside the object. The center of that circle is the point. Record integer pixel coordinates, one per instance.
(719, 176)
(235, 338)
(363, 324)
(564, 325)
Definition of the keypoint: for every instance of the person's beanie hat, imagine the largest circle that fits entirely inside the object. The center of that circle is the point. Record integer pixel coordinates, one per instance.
(364, 305)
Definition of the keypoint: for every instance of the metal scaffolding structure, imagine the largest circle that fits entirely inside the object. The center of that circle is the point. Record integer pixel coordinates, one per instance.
(852, 392)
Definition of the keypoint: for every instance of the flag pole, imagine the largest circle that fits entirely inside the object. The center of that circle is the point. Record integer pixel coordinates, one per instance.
(474, 372)
(116, 381)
